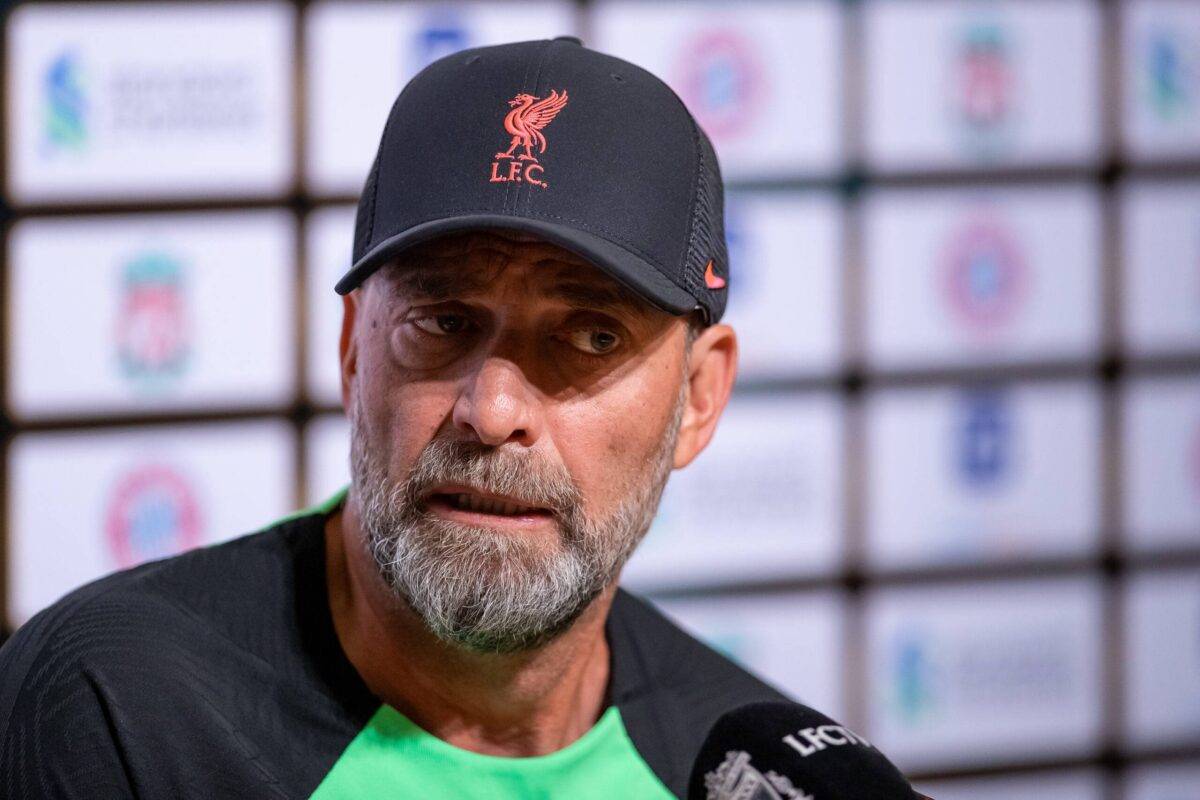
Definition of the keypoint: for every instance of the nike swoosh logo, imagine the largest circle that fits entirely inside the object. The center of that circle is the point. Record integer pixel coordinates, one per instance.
(712, 280)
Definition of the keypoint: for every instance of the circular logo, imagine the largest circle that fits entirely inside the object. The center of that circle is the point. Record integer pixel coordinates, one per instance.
(152, 514)
(983, 275)
(721, 81)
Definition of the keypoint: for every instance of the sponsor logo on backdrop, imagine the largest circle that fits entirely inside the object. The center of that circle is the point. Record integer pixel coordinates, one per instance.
(442, 32)
(1170, 73)
(152, 329)
(66, 105)
(721, 79)
(982, 87)
(982, 672)
(984, 439)
(145, 103)
(913, 679)
(529, 116)
(983, 275)
(152, 513)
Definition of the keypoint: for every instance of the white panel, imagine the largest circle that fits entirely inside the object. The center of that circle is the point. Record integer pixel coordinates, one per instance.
(961, 276)
(1160, 79)
(785, 298)
(329, 239)
(978, 673)
(950, 84)
(793, 641)
(762, 78)
(327, 444)
(162, 100)
(359, 55)
(1163, 782)
(1162, 661)
(1161, 461)
(151, 312)
(985, 474)
(763, 501)
(1160, 260)
(84, 504)
(1057, 785)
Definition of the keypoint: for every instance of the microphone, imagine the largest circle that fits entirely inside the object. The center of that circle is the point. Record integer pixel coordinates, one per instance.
(786, 751)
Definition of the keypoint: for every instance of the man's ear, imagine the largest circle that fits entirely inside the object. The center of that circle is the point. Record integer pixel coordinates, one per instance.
(348, 344)
(711, 373)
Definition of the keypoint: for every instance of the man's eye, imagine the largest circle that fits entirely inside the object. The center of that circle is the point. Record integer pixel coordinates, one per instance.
(595, 341)
(443, 324)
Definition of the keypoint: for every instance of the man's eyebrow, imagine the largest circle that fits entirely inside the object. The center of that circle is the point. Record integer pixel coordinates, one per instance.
(438, 283)
(591, 295)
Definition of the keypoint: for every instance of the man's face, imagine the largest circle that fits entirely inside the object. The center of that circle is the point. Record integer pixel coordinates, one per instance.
(514, 414)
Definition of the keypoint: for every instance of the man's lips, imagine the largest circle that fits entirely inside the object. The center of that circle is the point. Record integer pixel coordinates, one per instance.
(477, 506)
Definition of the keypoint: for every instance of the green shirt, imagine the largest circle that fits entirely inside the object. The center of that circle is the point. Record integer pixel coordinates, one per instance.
(392, 757)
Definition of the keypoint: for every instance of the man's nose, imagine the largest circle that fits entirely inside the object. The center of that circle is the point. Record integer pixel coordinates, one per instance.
(499, 405)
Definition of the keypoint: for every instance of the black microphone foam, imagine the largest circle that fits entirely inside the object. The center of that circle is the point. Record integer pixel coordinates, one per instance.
(786, 751)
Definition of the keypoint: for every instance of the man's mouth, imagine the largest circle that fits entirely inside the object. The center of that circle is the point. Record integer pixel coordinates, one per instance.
(474, 505)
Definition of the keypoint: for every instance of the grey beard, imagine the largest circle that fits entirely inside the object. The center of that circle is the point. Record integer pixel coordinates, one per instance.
(494, 592)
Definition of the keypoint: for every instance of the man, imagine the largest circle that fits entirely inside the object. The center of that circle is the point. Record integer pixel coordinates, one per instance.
(530, 344)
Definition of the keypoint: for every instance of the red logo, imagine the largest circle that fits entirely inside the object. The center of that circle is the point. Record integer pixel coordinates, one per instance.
(711, 279)
(524, 123)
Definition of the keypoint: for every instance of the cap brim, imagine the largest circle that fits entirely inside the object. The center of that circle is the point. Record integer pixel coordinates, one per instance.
(627, 268)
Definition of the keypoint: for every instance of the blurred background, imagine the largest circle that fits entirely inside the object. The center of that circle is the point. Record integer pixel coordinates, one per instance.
(956, 499)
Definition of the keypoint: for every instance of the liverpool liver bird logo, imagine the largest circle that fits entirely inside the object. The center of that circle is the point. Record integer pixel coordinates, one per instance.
(525, 122)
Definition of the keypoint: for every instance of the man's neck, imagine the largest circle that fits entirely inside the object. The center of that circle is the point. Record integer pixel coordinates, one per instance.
(522, 704)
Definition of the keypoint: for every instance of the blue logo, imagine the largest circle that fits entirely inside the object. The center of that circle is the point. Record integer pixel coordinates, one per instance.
(984, 439)
(66, 107)
(442, 34)
(1168, 75)
(913, 674)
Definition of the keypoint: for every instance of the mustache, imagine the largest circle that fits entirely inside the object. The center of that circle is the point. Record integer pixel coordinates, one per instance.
(529, 479)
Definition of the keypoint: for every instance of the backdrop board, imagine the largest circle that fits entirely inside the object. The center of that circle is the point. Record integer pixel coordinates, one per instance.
(1076, 785)
(762, 78)
(359, 55)
(151, 312)
(141, 101)
(1160, 79)
(1160, 267)
(83, 503)
(988, 473)
(967, 674)
(1171, 781)
(794, 641)
(953, 85)
(1162, 669)
(327, 462)
(785, 292)
(763, 501)
(981, 276)
(328, 238)
(1160, 445)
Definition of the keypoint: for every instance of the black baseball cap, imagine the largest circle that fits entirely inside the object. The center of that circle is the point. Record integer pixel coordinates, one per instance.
(550, 138)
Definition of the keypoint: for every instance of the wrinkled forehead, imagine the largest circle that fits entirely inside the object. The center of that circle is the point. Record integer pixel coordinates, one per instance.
(468, 263)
